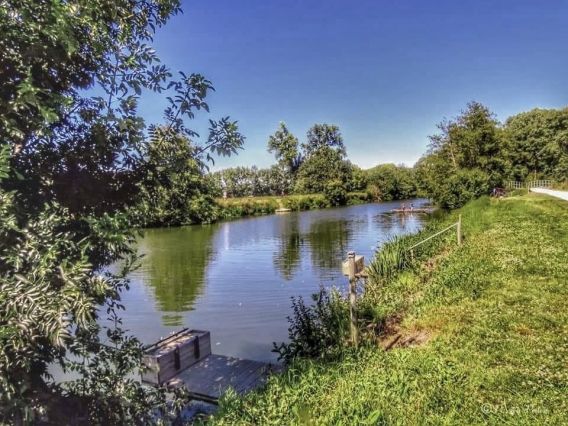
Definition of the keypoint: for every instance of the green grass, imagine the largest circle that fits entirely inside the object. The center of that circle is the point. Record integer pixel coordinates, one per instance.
(494, 325)
(562, 186)
(255, 206)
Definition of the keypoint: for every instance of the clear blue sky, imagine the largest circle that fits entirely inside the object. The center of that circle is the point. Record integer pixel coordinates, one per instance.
(384, 71)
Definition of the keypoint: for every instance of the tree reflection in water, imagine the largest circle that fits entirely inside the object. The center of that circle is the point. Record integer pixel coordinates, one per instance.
(288, 257)
(174, 267)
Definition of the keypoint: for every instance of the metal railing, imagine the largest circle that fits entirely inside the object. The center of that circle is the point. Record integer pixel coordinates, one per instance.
(516, 185)
(544, 183)
(457, 225)
(540, 183)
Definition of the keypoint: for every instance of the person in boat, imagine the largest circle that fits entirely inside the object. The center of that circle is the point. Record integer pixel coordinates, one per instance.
(403, 207)
(411, 206)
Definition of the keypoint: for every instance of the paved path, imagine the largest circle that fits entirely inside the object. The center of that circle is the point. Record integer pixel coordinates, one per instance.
(558, 194)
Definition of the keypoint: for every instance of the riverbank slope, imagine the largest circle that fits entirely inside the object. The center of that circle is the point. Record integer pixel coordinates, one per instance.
(491, 328)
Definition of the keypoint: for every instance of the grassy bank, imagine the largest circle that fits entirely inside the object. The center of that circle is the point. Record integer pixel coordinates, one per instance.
(479, 334)
(255, 206)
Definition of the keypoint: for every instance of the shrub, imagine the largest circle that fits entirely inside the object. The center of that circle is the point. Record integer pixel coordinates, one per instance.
(202, 209)
(461, 187)
(239, 207)
(335, 193)
(317, 331)
(354, 198)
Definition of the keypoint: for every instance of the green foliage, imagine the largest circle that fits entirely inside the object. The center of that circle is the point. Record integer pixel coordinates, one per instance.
(305, 202)
(472, 141)
(231, 208)
(322, 166)
(359, 179)
(120, 398)
(466, 159)
(335, 192)
(73, 45)
(324, 160)
(354, 198)
(462, 187)
(316, 167)
(251, 181)
(538, 144)
(392, 258)
(319, 161)
(4, 161)
(388, 182)
(173, 190)
(316, 331)
(79, 159)
(239, 207)
(49, 294)
(285, 147)
(324, 136)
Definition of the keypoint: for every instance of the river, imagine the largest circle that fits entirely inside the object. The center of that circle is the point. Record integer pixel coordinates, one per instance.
(236, 278)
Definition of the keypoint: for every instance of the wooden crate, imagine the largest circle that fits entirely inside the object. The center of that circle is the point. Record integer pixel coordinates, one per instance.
(170, 356)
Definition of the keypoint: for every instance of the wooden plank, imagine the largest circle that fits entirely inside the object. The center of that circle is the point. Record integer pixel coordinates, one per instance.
(254, 380)
(212, 376)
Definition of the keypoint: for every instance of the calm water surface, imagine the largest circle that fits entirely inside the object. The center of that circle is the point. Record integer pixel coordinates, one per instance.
(236, 278)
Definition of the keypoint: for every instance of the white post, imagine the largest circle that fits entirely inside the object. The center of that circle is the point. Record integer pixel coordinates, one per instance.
(353, 299)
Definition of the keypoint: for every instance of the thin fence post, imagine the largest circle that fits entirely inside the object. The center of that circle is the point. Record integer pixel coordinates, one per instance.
(353, 299)
(459, 230)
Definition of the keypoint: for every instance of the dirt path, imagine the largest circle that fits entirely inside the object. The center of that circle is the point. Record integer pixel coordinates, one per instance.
(558, 194)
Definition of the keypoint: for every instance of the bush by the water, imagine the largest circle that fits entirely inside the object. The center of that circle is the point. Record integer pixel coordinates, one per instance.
(318, 330)
(335, 193)
(461, 187)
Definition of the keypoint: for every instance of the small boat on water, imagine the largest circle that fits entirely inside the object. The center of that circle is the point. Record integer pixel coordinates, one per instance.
(414, 210)
(283, 210)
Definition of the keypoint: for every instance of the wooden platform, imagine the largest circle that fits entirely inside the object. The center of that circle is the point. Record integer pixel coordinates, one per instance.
(184, 359)
(208, 379)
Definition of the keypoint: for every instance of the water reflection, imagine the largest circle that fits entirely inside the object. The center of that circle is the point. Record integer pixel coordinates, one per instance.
(328, 241)
(236, 278)
(174, 267)
(287, 258)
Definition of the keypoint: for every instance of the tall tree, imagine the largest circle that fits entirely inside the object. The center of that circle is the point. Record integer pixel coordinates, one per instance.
(472, 140)
(285, 147)
(321, 167)
(75, 161)
(465, 159)
(324, 161)
(538, 144)
(323, 135)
